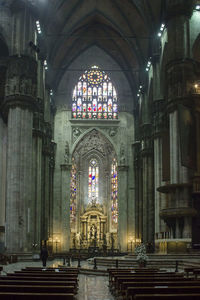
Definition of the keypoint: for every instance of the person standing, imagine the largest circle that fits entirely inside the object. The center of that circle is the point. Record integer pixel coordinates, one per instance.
(44, 255)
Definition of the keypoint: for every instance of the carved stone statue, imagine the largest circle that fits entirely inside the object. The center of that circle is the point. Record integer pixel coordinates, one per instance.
(76, 133)
(78, 237)
(112, 132)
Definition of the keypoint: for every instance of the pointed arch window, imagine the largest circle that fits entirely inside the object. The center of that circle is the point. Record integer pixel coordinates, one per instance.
(94, 96)
(93, 181)
(114, 192)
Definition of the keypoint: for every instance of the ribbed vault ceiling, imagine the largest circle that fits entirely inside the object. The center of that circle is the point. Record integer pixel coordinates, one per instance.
(124, 29)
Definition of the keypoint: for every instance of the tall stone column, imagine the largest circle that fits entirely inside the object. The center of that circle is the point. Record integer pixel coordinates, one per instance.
(38, 136)
(65, 210)
(147, 185)
(18, 108)
(122, 202)
(37, 182)
(159, 133)
(3, 159)
(179, 83)
(46, 176)
(3, 148)
(51, 189)
(138, 216)
(23, 29)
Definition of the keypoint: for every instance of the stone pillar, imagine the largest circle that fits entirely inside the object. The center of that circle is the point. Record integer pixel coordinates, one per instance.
(122, 202)
(37, 181)
(23, 29)
(179, 82)
(18, 108)
(65, 206)
(46, 177)
(51, 190)
(148, 200)
(147, 185)
(3, 152)
(18, 179)
(3, 159)
(5, 16)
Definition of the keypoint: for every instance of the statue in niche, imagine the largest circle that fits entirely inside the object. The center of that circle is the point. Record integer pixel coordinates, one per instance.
(78, 238)
(76, 133)
(112, 132)
(66, 155)
(93, 232)
(122, 154)
(107, 239)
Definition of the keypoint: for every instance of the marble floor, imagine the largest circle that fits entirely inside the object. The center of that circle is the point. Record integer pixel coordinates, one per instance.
(91, 287)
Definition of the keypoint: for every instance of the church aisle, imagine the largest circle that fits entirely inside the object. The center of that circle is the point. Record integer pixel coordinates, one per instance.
(93, 287)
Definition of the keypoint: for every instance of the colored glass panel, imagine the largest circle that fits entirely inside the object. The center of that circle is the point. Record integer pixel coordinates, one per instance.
(93, 88)
(110, 89)
(73, 192)
(94, 105)
(104, 107)
(114, 190)
(84, 88)
(109, 105)
(105, 89)
(93, 181)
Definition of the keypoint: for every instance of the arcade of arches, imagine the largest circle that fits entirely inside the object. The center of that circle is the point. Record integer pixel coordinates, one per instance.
(99, 125)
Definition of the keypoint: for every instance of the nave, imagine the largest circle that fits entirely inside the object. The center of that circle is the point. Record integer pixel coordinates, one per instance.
(102, 279)
(90, 286)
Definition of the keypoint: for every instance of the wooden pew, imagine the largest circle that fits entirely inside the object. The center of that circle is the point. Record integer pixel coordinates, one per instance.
(37, 288)
(188, 271)
(55, 278)
(196, 272)
(119, 280)
(35, 296)
(132, 291)
(142, 277)
(20, 284)
(57, 270)
(51, 268)
(43, 274)
(37, 282)
(46, 271)
(114, 275)
(187, 296)
(115, 272)
(124, 285)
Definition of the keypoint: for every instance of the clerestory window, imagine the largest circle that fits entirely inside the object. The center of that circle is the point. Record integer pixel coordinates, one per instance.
(94, 96)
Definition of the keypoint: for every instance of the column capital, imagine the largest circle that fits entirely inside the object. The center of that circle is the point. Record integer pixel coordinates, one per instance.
(21, 82)
(66, 167)
(176, 8)
(181, 77)
(123, 168)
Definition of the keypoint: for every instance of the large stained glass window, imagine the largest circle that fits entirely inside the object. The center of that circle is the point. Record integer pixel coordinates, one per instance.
(93, 181)
(73, 193)
(94, 96)
(114, 190)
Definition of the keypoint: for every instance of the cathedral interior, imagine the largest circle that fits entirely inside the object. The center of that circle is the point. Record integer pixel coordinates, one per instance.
(99, 125)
